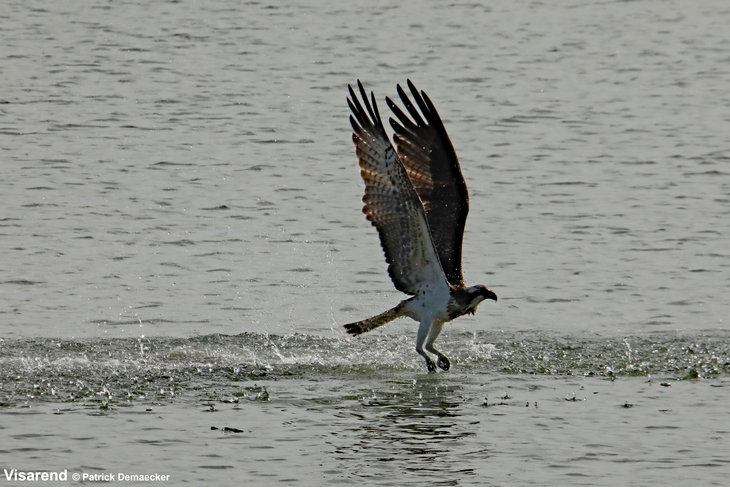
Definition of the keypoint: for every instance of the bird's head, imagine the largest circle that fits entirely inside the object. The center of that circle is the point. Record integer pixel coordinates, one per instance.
(477, 294)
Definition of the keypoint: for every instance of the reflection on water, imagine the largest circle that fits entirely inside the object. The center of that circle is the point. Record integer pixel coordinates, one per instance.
(409, 429)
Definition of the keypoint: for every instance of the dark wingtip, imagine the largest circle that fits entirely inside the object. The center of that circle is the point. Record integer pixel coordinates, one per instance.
(412, 87)
(355, 129)
(393, 123)
(363, 93)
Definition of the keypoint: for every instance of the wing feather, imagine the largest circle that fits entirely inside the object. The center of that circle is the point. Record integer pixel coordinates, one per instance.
(430, 161)
(392, 204)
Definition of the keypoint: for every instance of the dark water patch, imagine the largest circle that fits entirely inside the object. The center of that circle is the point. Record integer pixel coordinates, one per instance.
(180, 243)
(39, 205)
(282, 141)
(22, 282)
(288, 189)
(138, 127)
(259, 167)
(169, 163)
(570, 183)
(707, 173)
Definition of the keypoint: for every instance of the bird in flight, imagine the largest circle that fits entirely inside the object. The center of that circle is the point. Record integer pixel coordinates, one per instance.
(416, 198)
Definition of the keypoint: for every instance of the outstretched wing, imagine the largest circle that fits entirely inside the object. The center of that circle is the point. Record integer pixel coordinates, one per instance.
(430, 161)
(391, 202)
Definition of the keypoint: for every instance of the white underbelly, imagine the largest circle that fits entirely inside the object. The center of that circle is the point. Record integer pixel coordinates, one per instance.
(431, 306)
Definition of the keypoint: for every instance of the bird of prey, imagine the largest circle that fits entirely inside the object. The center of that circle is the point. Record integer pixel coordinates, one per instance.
(416, 198)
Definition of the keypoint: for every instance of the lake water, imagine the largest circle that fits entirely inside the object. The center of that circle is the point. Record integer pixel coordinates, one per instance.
(182, 240)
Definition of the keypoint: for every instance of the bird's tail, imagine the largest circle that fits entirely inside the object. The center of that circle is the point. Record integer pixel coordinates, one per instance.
(379, 320)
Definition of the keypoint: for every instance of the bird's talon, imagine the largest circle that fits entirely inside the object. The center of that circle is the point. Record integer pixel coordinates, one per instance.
(444, 363)
(431, 366)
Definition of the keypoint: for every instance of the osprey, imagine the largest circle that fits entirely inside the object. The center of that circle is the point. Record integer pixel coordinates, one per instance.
(416, 198)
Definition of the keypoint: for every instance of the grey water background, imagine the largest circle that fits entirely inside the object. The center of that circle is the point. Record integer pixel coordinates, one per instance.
(181, 241)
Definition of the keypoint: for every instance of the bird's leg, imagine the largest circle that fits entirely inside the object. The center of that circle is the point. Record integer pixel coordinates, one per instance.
(424, 331)
(433, 333)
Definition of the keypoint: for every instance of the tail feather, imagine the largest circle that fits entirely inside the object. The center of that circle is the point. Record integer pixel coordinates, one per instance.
(371, 323)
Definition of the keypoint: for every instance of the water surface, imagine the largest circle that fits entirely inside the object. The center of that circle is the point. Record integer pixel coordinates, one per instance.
(182, 239)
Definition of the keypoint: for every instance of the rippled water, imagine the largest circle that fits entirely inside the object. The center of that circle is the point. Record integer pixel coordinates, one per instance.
(182, 239)
(516, 407)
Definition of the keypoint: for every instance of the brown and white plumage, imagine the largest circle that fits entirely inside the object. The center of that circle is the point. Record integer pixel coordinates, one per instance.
(426, 152)
(391, 202)
(416, 198)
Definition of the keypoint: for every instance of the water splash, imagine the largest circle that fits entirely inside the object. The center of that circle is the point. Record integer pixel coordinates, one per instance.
(99, 372)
